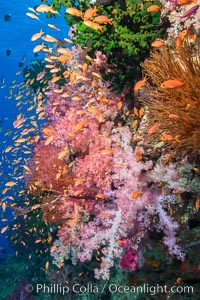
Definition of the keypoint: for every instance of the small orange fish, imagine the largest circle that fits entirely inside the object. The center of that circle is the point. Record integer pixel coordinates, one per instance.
(55, 78)
(10, 183)
(139, 84)
(53, 27)
(3, 206)
(44, 8)
(158, 43)
(4, 229)
(135, 122)
(192, 37)
(97, 75)
(178, 191)
(119, 105)
(90, 13)
(153, 8)
(79, 181)
(74, 12)
(173, 116)
(105, 215)
(141, 112)
(32, 16)
(66, 74)
(171, 84)
(135, 111)
(80, 125)
(37, 241)
(179, 280)
(36, 36)
(107, 152)
(35, 206)
(142, 6)
(53, 248)
(196, 170)
(63, 59)
(76, 98)
(169, 155)
(63, 154)
(64, 51)
(180, 39)
(103, 20)
(152, 129)
(135, 195)
(47, 265)
(49, 38)
(167, 137)
(185, 2)
(101, 196)
(197, 204)
(49, 140)
(55, 70)
(93, 25)
(47, 130)
(38, 48)
(138, 154)
(8, 149)
(18, 123)
(94, 110)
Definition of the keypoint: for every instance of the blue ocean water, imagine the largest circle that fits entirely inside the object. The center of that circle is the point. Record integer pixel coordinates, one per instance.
(16, 46)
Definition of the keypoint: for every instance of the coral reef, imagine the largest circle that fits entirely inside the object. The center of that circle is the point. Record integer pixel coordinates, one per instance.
(111, 188)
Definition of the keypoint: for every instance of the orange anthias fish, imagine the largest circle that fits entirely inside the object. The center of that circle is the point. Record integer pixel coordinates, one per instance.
(139, 84)
(184, 2)
(135, 195)
(171, 84)
(101, 196)
(93, 25)
(53, 27)
(173, 116)
(18, 123)
(64, 51)
(153, 8)
(32, 16)
(152, 129)
(74, 12)
(158, 43)
(36, 36)
(192, 37)
(180, 39)
(138, 154)
(49, 38)
(107, 152)
(90, 13)
(103, 20)
(63, 59)
(167, 137)
(80, 125)
(197, 204)
(44, 8)
(38, 48)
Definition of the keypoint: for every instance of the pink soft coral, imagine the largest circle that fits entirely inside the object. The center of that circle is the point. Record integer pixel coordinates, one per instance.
(129, 260)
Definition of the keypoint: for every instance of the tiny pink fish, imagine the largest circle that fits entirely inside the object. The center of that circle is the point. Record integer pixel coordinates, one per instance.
(190, 12)
(18, 123)
(40, 75)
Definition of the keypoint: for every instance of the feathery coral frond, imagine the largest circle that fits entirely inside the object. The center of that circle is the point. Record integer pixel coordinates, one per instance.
(176, 111)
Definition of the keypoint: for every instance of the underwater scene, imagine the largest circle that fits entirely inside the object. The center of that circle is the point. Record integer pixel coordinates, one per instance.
(100, 150)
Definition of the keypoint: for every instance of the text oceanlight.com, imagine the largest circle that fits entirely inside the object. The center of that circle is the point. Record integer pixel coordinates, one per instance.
(112, 288)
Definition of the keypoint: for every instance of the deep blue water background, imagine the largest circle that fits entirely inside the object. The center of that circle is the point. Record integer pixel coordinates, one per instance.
(16, 35)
